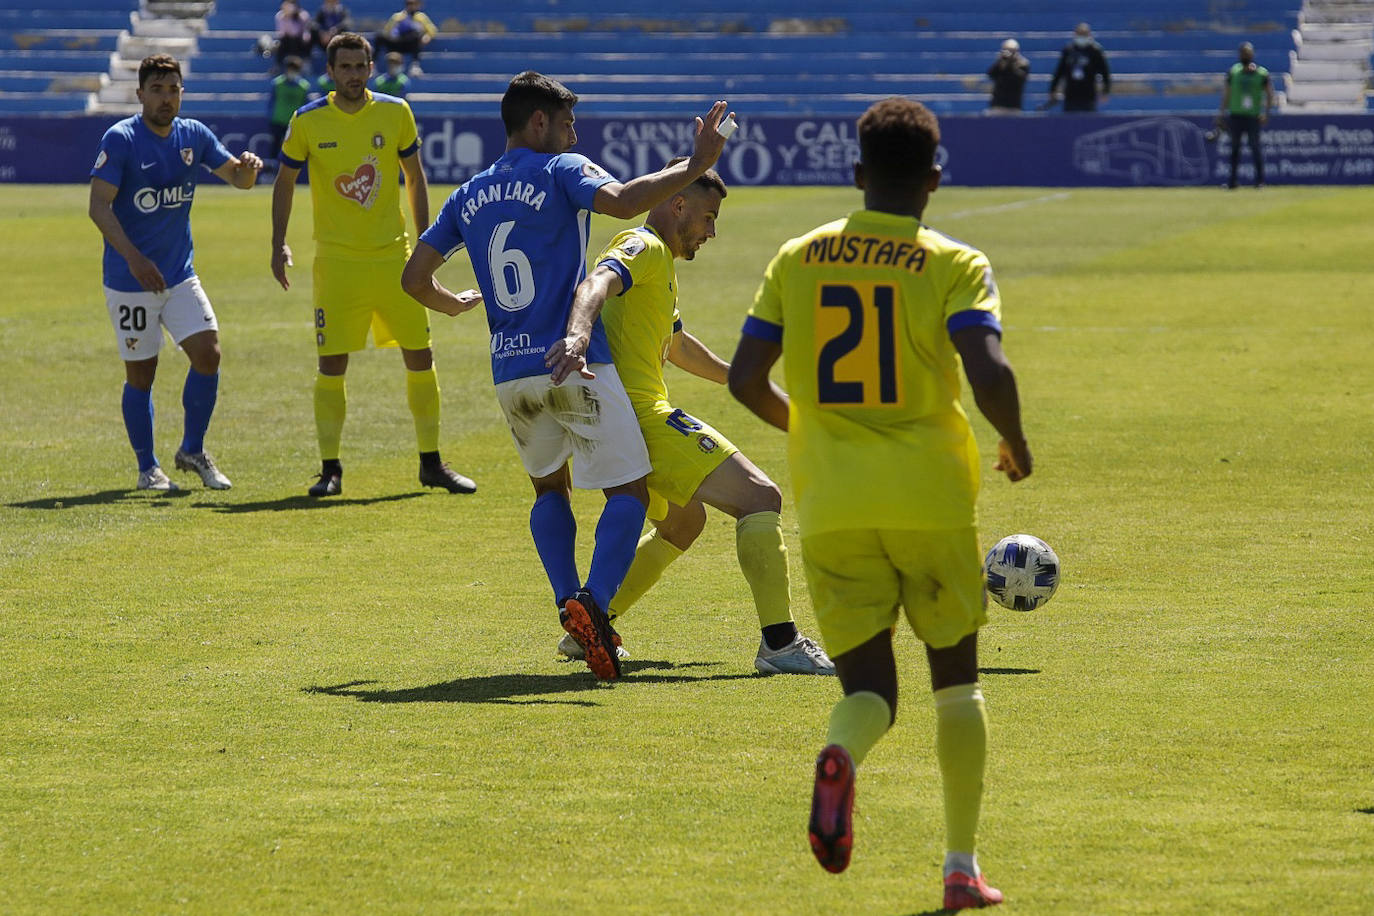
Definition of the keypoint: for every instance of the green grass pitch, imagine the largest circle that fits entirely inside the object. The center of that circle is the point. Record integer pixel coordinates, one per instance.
(246, 702)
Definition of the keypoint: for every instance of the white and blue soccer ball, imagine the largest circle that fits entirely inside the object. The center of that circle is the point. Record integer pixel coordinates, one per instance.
(1022, 572)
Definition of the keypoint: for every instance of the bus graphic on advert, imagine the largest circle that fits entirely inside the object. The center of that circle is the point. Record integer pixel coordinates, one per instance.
(1151, 151)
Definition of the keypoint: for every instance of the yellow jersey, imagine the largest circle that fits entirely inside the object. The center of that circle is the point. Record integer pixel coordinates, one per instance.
(864, 308)
(355, 167)
(641, 321)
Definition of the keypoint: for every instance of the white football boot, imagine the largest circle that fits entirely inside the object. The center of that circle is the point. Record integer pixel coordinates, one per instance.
(204, 465)
(801, 656)
(155, 478)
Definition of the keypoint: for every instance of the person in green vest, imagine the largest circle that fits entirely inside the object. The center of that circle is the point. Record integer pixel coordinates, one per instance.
(286, 93)
(393, 81)
(1246, 100)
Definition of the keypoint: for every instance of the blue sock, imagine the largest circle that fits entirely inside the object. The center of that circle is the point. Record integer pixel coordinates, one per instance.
(198, 397)
(138, 421)
(617, 535)
(555, 538)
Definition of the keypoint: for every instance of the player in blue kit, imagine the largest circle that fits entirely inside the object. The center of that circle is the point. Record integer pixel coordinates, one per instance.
(525, 223)
(142, 186)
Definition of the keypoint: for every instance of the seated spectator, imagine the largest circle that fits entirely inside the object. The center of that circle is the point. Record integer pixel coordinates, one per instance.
(294, 31)
(331, 19)
(407, 32)
(393, 81)
(286, 93)
(1008, 74)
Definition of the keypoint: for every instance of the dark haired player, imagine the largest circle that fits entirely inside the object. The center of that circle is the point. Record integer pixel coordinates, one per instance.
(357, 143)
(634, 288)
(142, 186)
(871, 315)
(525, 222)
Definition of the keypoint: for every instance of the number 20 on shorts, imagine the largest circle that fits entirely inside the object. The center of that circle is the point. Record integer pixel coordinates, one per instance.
(856, 345)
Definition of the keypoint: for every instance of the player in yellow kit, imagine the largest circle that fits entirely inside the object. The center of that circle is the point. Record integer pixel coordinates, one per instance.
(872, 315)
(634, 286)
(357, 143)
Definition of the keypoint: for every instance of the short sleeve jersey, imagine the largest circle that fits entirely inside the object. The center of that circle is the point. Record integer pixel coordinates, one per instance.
(355, 173)
(525, 222)
(156, 177)
(864, 308)
(641, 321)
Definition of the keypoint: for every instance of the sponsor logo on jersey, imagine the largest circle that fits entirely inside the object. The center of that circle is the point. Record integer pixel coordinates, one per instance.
(329, 144)
(101, 159)
(505, 344)
(188, 155)
(361, 186)
(150, 200)
(592, 170)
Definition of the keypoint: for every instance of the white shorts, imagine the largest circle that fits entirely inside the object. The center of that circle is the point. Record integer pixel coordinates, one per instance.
(139, 318)
(588, 420)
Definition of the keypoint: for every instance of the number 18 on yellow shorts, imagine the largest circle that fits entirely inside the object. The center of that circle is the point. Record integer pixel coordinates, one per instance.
(353, 297)
(859, 579)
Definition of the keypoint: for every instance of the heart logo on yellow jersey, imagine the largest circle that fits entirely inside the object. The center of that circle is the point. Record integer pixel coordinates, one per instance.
(361, 186)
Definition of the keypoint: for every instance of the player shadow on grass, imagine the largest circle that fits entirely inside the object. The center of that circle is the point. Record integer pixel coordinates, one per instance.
(103, 498)
(291, 503)
(1008, 670)
(510, 688)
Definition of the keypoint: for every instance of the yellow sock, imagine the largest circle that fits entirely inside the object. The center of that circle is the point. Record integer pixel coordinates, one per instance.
(961, 741)
(331, 406)
(652, 556)
(422, 393)
(858, 721)
(763, 560)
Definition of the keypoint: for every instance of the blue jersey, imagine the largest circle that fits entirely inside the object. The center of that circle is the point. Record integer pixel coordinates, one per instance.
(156, 177)
(525, 222)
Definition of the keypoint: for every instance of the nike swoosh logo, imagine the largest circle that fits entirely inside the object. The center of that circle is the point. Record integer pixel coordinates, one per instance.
(148, 165)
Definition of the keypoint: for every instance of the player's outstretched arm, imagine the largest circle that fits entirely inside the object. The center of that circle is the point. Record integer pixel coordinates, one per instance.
(569, 354)
(102, 214)
(648, 191)
(241, 172)
(418, 280)
(994, 391)
(691, 355)
(283, 193)
(749, 381)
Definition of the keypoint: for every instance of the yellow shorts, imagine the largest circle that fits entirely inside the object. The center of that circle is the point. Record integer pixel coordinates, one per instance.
(859, 579)
(352, 297)
(683, 451)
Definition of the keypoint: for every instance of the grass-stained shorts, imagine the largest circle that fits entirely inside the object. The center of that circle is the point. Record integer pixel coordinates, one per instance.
(352, 297)
(683, 451)
(860, 578)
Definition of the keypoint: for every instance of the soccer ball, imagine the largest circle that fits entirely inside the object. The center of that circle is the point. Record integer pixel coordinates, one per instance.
(1022, 572)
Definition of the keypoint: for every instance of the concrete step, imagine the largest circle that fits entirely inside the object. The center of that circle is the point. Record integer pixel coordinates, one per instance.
(138, 47)
(1335, 50)
(1356, 69)
(1324, 91)
(167, 27)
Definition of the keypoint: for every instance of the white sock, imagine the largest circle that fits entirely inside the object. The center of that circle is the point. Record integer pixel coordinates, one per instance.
(965, 862)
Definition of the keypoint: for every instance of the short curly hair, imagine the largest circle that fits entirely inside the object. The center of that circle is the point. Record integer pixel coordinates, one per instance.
(897, 140)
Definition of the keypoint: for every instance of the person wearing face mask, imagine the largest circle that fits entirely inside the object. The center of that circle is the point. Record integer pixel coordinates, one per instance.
(393, 81)
(1246, 83)
(1081, 64)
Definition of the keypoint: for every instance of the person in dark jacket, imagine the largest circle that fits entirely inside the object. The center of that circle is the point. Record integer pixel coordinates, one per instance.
(1081, 64)
(1008, 74)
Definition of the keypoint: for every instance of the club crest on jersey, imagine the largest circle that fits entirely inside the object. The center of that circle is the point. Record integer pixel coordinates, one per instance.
(361, 186)
(592, 170)
(188, 155)
(131, 342)
(101, 159)
(707, 444)
(378, 141)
